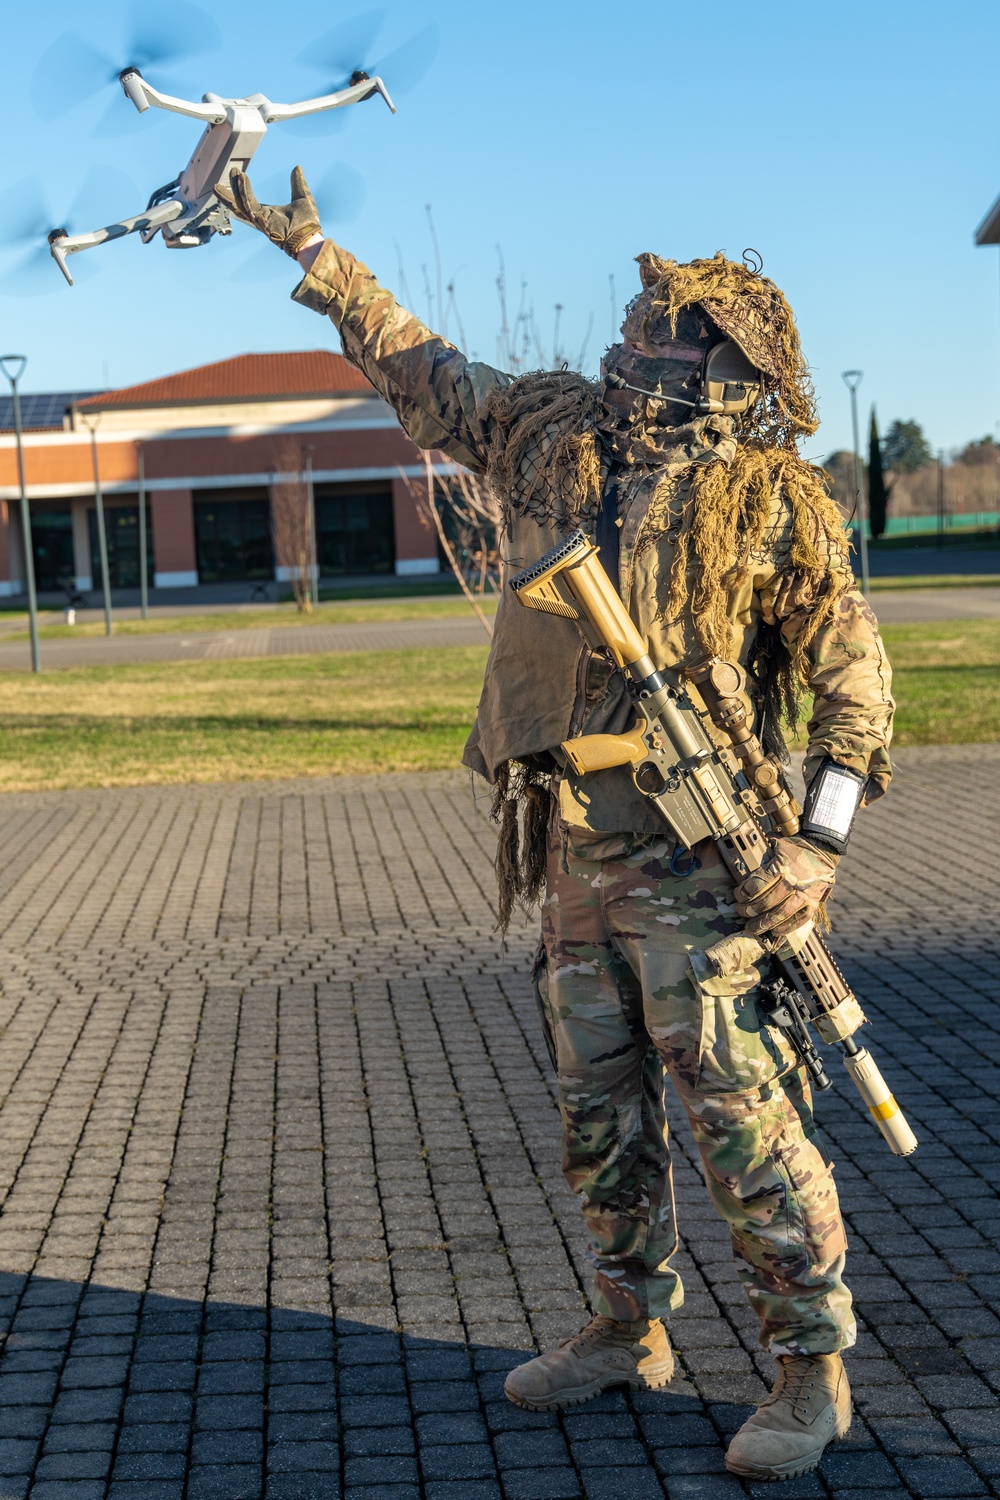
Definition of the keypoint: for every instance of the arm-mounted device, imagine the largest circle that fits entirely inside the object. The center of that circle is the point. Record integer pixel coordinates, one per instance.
(831, 805)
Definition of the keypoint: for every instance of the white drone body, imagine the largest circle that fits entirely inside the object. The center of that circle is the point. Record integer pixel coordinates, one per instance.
(187, 212)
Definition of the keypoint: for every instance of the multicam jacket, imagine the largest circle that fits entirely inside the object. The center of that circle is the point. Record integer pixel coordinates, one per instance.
(542, 686)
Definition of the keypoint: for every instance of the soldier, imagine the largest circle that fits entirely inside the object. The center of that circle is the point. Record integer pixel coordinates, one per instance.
(721, 540)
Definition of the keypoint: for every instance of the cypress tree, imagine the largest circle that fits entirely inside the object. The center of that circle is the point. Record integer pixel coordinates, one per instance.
(878, 491)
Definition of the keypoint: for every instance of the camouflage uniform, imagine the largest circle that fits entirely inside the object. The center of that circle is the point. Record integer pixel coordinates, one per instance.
(620, 1005)
(617, 995)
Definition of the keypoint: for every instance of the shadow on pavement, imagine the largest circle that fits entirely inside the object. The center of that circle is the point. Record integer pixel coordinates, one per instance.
(104, 1391)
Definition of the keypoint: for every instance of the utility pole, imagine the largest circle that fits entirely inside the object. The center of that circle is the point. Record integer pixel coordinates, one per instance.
(13, 367)
(852, 379)
(92, 421)
(143, 583)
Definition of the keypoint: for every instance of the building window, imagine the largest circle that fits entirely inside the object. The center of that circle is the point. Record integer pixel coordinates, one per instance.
(354, 532)
(121, 527)
(52, 549)
(233, 540)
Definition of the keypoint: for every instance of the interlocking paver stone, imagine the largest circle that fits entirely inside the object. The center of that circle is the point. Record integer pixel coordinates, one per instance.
(280, 1185)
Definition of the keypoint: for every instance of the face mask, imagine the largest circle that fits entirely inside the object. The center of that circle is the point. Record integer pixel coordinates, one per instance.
(636, 388)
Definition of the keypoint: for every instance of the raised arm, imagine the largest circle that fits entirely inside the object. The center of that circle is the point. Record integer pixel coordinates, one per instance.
(438, 394)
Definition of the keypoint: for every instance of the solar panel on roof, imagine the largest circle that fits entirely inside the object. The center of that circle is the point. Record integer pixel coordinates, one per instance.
(39, 409)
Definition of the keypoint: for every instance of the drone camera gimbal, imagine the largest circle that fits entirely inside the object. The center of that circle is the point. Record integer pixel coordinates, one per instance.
(186, 212)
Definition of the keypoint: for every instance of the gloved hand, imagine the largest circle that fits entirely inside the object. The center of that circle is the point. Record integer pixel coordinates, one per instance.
(788, 889)
(287, 224)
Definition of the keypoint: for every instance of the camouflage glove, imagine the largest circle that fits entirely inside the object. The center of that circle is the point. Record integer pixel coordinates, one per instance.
(788, 889)
(288, 225)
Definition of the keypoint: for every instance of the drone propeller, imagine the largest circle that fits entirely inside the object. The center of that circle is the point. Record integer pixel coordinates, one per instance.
(26, 218)
(345, 46)
(340, 196)
(348, 48)
(72, 71)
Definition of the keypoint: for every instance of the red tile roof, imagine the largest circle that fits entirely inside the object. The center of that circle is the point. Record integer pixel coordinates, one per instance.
(248, 377)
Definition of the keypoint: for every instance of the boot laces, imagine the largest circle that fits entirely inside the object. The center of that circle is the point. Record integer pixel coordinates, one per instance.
(798, 1384)
(591, 1333)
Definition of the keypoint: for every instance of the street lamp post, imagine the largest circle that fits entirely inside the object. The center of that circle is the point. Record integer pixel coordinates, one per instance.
(13, 367)
(143, 582)
(852, 379)
(91, 422)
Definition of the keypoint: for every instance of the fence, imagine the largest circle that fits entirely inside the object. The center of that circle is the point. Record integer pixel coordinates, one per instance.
(923, 525)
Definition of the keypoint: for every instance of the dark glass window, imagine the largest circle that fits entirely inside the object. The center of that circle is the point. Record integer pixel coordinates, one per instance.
(233, 540)
(52, 549)
(121, 526)
(354, 532)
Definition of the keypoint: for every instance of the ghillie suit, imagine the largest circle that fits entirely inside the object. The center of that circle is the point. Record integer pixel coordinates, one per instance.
(728, 508)
(718, 538)
(550, 430)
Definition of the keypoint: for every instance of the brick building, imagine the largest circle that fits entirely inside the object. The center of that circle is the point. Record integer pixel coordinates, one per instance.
(212, 439)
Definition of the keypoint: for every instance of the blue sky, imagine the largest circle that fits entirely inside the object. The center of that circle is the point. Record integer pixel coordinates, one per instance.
(855, 145)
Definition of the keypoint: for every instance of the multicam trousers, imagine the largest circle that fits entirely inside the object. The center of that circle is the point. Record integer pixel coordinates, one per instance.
(621, 1006)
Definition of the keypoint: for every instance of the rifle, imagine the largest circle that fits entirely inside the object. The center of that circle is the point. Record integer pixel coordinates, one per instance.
(720, 786)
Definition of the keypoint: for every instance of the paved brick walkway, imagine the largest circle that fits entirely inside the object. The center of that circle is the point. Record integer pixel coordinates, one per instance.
(282, 1200)
(277, 640)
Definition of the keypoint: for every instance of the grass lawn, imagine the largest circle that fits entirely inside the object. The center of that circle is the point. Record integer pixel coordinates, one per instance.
(233, 721)
(355, 712)
(946, 681)
(937, 581)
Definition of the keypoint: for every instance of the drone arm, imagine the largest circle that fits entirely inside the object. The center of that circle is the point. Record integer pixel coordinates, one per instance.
(62, 245)
(143, 94)
(274, 113)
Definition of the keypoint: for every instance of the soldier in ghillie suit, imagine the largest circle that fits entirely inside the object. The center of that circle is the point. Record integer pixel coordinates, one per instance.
(721, 540)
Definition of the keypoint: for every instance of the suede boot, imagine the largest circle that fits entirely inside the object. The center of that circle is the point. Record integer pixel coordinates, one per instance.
(604, 1353)
(809, 1407)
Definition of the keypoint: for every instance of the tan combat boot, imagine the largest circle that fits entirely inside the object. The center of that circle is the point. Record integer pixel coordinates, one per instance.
(809, 1407)
(602, 1354)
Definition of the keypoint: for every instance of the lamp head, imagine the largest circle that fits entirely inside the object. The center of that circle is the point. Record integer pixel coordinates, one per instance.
(13, 365)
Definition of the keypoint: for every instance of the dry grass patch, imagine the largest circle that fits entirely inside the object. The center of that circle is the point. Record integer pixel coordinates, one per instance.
(233, 721)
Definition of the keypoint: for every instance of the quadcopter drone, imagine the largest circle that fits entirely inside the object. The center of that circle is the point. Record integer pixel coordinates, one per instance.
(186, 212)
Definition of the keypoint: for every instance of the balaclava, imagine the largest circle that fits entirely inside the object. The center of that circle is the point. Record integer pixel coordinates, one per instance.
(692, 305)
(659, 358)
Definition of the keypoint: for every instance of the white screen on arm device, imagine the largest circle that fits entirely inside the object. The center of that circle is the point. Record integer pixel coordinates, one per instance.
(836, 803)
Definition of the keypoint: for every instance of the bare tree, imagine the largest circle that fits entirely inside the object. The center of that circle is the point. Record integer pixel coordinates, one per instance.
(462, 512)
(842, 480)
(292, 521)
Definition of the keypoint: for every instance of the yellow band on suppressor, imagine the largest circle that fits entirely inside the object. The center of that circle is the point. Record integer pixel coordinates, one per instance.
(881, 1105)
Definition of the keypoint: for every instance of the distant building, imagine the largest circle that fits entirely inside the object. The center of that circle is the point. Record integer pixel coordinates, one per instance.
(212, 439)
